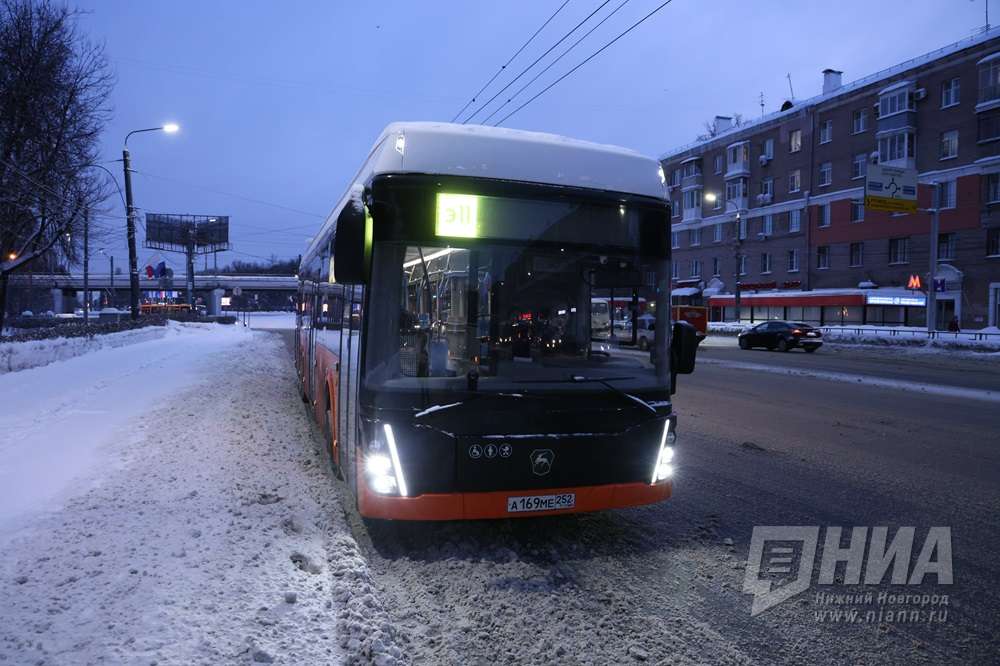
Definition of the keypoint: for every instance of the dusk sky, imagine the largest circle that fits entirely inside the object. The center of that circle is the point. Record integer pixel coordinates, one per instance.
(279, 102)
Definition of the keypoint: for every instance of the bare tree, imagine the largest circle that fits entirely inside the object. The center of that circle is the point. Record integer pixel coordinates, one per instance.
(54, 90)
(711, 131)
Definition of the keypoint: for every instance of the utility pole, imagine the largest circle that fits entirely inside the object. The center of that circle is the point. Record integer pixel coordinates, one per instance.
(133, 262)
(931, 286)
(111, 296)
(190, 266)
(86, 268)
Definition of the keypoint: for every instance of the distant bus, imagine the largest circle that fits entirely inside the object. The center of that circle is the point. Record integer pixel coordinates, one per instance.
(449, 337)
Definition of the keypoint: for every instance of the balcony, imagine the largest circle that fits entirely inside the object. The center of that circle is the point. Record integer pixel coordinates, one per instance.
(989, 98)
(691, 214)
(691, 182)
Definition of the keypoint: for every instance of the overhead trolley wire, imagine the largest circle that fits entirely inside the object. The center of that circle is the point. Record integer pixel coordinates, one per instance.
(535, 62)
(585, 61)
(504, 66)
(549, 66)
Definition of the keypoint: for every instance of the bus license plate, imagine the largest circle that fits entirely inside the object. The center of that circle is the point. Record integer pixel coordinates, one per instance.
(541, 502)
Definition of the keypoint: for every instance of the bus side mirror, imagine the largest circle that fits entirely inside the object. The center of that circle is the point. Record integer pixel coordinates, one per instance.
(683, 348)
(352, 245)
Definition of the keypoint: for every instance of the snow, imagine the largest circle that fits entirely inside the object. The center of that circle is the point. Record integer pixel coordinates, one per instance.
(166, 502)
(501, 153)
(913, 336)
(272, 321)
(16, 356)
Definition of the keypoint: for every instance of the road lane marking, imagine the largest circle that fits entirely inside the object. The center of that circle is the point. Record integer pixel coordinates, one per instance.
(867, 380)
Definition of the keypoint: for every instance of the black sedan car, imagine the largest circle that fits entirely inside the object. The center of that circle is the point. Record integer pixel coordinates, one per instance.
(782, 335)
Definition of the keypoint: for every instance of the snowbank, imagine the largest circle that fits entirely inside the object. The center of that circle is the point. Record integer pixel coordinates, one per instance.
(16, 356)
(913, 336)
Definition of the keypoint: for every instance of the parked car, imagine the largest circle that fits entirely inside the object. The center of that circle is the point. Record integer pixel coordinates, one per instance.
(782, 335)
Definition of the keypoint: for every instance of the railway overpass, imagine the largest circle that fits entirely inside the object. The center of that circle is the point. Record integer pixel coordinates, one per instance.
(65, 290)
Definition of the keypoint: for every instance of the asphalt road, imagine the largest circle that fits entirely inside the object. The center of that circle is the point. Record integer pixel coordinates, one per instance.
(664, 583)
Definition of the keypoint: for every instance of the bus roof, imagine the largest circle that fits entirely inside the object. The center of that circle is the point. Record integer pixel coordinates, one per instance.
(504, 154)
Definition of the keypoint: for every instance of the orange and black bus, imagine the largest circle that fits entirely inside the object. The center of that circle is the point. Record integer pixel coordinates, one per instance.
(445, 338)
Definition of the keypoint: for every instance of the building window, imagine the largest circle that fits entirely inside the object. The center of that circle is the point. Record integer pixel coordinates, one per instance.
(826, 131)
(717, 234)
(991, 190)
(692, 199)
(742, 228)
(794, 181)
(859, 121)
(824, 215)
(675, 239)
(989, 81)
(859, 166)
(948, 194)
(739, 154)
(736, 188)
(897, 146)
(946, 246)
(795, 141)
(988, 127)
(993, 242)
(718, 164)
(695, 236)
(950, 92)
(793, 261)
(675, 178)
(825, 173)
(767, 149)
(823, 257)
(794, 221)
(949, 144)
(895, 102)
(675, 270)
(742, 264)
(695, 268)
(857, 211)
(765, 262)
(899, 250)
(857, 254)
(715, 267)
(767, 188)
(690, 169)
(767, 225)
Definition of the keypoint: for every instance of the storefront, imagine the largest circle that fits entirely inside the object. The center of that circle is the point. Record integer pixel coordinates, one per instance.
(825, 307)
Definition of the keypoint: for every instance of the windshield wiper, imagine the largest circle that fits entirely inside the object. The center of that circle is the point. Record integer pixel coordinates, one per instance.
(603, 381)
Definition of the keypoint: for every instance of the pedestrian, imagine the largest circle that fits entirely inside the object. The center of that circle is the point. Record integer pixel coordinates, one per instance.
(953, 325)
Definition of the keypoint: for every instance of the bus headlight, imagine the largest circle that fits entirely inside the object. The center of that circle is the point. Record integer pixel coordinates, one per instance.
(664, 469)
(385, 475)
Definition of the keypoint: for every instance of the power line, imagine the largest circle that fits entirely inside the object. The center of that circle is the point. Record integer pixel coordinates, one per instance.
(585, 61)
(230, 194)
(504, 66)
(535, 62)
(549, 66)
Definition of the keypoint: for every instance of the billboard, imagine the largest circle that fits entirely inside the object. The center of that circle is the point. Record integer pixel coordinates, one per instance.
(200, 234)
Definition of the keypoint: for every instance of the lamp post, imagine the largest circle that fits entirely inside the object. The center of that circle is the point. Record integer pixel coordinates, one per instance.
(86, 245)
(712, 197)
(133, 262)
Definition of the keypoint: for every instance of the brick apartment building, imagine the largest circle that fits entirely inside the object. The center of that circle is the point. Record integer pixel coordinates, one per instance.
(777, 204)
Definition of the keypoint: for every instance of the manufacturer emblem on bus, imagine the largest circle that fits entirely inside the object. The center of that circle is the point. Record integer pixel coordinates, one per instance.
(541, 461)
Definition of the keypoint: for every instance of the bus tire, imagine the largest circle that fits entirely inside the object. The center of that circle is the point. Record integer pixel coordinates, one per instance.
(334, 463)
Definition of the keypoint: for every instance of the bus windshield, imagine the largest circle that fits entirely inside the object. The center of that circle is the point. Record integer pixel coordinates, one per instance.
(510, 314)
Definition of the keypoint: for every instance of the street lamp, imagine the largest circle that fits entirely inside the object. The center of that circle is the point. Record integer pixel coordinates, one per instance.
(712, 197)
(133, 267)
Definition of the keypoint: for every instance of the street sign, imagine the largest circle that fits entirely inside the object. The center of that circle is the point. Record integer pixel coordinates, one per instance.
(914, 282)
(891, 189)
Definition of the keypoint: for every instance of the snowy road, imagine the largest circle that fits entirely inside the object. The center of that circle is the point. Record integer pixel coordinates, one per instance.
(198, 523)
(195, 525)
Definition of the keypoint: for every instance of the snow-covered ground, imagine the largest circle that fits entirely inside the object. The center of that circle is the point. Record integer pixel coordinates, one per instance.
(166, 503)
(273, 321)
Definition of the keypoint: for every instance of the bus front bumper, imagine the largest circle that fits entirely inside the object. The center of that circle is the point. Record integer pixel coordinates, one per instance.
(471, 506)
